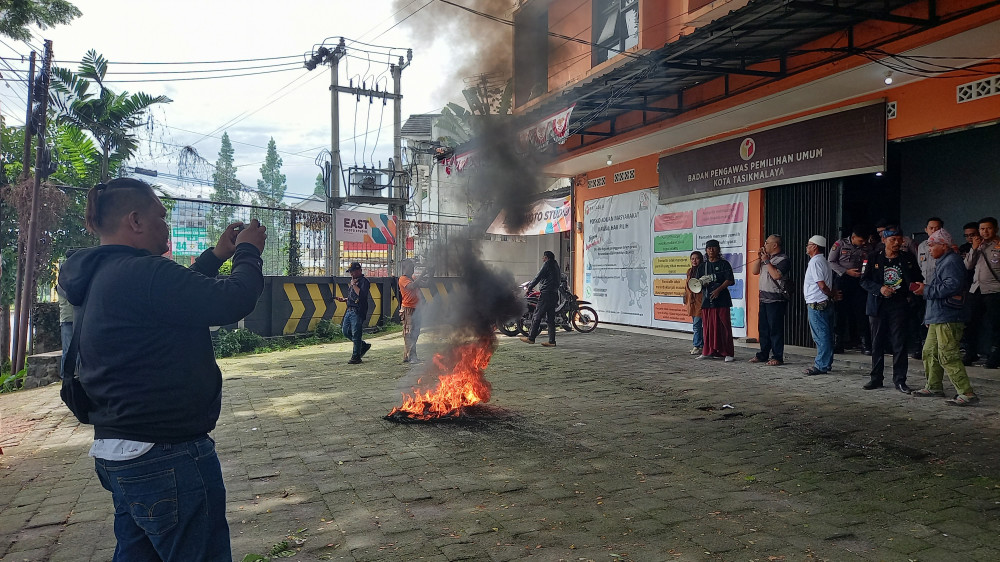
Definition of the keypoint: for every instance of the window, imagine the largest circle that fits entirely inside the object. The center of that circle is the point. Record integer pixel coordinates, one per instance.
(615, 29)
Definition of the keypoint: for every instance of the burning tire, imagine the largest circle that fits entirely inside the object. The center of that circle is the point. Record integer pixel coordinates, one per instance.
(509, 327)
(585, 319)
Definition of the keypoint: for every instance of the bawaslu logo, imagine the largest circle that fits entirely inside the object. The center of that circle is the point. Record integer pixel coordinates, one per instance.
(748, 148)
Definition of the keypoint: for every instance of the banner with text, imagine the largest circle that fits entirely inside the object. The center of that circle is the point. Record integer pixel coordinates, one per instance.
(365, 227)
(836, 144)
(546, 216)
(617, 257)
(680, 228)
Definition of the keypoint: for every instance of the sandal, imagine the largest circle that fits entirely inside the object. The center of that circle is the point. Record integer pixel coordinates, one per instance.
(774, 363)
(925, 393)
(754, 359)
(813, 371)
(964, 400)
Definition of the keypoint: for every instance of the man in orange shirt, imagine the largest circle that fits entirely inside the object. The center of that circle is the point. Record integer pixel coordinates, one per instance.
(409, 288)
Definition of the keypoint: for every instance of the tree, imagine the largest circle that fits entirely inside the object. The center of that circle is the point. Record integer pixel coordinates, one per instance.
(108, 116)
(270, 191)
(320, 189)
(272, 185)
(225, 189)
(17, 15)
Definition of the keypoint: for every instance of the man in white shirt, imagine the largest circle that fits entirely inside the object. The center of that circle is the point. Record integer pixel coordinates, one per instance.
(817, 288)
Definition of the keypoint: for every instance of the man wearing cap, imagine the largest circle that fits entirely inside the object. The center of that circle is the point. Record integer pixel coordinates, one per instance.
(944, 294)
(887, 278)
(817, 288)
(716, 323)
(984, 262)
(846, 258)
(927, 263)
(357, 312)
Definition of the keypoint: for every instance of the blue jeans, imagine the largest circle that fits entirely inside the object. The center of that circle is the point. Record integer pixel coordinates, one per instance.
(353, 328)
(821, 324)
(170, 504)
(66, 331)
(698, 339)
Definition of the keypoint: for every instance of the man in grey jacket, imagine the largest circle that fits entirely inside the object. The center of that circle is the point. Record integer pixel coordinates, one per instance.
(944, 293)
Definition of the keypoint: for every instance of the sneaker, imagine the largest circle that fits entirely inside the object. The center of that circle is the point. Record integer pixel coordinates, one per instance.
(729, 359)
(903, 388)
(365, 346)
(354, 361)
(548, 344)
(695, 351)
(526, 340)
(872, 385)
(964, 400)
(925, 393)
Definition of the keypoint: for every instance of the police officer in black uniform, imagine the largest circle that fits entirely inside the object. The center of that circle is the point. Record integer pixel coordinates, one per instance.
(847, 258)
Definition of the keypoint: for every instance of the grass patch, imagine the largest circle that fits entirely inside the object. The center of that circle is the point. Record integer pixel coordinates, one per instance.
(241, 342)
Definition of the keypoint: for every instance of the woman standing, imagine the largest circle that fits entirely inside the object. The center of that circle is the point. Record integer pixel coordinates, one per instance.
(693, 302)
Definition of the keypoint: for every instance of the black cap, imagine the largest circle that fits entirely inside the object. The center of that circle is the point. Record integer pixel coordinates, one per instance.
(713, 243)
(354, 265)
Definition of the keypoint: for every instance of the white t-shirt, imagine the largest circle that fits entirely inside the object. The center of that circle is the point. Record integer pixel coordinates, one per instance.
(817, 270)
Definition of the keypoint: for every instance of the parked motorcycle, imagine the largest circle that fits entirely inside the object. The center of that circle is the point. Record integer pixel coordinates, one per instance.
(571, 313)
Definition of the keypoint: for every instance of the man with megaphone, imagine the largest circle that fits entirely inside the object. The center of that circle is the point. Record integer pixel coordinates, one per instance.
(716, 275)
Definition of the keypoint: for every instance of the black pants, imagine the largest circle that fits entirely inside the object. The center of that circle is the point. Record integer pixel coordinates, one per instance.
(546, 306)
(771, 330)
(889, 327)
(851, 321)
(985, 319)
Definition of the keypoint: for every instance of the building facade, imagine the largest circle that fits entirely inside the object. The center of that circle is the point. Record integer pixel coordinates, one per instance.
(691, 120)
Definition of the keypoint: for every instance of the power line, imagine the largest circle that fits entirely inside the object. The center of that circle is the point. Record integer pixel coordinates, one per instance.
(201, 77)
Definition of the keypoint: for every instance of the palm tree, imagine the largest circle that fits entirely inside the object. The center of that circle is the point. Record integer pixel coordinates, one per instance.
(108, 116)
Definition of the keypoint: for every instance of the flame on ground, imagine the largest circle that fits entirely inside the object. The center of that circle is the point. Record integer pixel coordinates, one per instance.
(460, 382)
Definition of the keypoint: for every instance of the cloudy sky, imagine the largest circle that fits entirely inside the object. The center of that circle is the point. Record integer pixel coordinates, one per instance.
(281, 99)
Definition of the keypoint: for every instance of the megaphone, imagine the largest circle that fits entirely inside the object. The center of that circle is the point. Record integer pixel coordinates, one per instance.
(696, 284)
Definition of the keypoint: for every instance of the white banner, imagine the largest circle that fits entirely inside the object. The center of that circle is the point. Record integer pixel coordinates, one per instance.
(617, 257)
(680, 228)
(546, 216)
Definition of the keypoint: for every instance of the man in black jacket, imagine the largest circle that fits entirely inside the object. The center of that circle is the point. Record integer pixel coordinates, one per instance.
(887, 277)
(548, 298)
(148, 368)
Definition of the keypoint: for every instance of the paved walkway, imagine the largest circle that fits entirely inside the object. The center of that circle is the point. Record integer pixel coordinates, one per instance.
(612, 446)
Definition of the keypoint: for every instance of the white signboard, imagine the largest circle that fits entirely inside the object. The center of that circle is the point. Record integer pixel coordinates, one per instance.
(617, 257)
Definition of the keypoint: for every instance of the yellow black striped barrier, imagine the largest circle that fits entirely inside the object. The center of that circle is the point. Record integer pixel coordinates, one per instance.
(295, 305)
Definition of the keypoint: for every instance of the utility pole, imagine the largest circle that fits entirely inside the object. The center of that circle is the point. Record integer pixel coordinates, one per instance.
(25, 174)
(398, 210)
(333, 199)
(324, 55)
(28, 288)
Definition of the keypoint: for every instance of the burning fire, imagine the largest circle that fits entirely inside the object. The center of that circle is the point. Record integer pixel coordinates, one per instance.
(460, 383)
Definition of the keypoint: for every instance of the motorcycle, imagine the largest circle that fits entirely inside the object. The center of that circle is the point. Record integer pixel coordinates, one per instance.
(571, 313)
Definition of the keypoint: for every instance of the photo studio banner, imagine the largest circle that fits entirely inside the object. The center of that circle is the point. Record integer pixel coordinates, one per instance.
(546, 216)
(365, 227)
